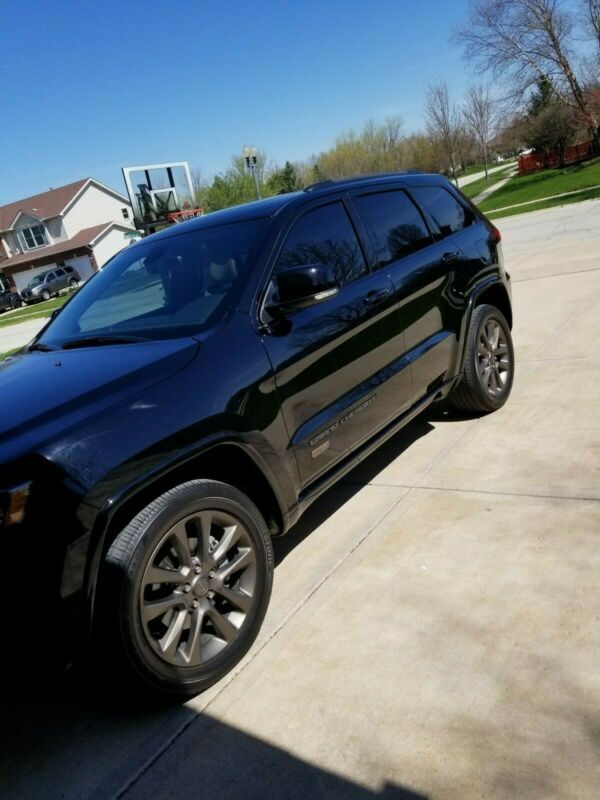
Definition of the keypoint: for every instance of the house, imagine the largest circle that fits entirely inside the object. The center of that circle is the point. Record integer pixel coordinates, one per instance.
(82, 224)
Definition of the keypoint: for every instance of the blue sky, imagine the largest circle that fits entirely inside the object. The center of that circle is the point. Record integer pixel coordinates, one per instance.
(91, 86)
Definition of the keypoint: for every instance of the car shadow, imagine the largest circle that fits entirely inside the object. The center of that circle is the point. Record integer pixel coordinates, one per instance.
(62, 737)
(361, 475)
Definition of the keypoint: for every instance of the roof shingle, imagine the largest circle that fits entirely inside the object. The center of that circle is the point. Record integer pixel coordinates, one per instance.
(46, 204)
(80, 239)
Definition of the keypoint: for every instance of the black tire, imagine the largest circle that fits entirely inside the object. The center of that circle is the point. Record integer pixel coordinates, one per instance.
(124, 642)
(73, 283)
(45, 295)
(471, 393)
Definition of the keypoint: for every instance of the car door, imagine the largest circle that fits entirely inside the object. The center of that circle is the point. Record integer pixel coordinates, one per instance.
(60, 280)
(332, 360)
(49, 282)
(421, 264)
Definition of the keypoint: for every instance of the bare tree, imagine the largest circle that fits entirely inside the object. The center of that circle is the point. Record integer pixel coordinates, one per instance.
(523, 40)
(593, 14)
(443, 121)
(479, 115)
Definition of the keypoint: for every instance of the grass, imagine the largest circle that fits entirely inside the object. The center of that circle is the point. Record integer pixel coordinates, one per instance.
(32, 312)
(473, 189)
(590, 194)
(544, 183)
(474, 168)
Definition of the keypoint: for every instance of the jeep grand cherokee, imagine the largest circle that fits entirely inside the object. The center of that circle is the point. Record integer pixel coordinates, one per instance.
(208, 384)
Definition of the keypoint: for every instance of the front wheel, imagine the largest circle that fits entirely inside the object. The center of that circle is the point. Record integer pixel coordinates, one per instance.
(489, 363)
(187, 585)
(45, 295)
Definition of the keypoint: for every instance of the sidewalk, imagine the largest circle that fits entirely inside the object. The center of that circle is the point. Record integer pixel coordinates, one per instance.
(494, 187)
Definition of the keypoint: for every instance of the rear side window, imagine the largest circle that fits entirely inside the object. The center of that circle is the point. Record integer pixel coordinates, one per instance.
(396, 224)
(324, 236)
(448, 213)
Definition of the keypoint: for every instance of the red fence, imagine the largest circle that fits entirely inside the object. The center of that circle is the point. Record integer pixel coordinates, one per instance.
(573, 154)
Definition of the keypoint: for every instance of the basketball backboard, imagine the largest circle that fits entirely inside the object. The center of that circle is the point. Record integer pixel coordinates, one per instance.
(157, 190)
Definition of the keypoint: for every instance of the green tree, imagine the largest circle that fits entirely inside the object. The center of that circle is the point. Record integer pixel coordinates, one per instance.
(236, 185)
(552, 130)
(543, 96)
(284, 180)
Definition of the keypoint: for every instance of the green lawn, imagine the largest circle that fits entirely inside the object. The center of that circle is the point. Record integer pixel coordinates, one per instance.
(33, 312)
(473, 189)
(474, 168)
(543, 184)
(590, 194)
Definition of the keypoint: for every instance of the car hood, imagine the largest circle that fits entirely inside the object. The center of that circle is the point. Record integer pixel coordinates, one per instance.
(44, 393)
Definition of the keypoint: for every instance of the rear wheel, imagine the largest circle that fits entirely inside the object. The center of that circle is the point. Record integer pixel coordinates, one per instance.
(187, 586)
(73, 283)
(488, 371)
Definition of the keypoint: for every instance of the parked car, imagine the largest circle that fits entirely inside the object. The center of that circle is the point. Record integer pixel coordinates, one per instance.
(10, 300)
(208, 385)
(48, 284)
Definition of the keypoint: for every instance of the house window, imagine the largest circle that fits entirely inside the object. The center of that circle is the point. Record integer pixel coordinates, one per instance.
(125, 212)
(35, 236)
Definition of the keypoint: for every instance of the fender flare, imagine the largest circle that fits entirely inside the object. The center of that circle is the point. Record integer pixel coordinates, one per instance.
(114, 503)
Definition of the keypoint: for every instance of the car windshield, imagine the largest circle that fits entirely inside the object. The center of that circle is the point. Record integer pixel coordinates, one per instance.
(167, 287)
(38, 279)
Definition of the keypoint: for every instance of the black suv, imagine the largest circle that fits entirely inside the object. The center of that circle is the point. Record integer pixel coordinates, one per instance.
(9, 300)
(208, 384)
(47, 284)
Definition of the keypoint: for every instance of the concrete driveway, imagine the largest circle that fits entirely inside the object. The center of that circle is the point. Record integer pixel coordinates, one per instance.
(434, 628)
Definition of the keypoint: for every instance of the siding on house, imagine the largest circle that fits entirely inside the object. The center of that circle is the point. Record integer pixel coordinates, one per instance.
(56, 229)
(92, 206)
(109, 244)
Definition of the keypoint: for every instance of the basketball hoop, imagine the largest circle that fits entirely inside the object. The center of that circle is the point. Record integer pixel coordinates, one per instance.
(185, 214)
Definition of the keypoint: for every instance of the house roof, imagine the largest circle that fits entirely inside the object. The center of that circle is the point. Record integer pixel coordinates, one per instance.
(46, 204)
(84, 238)
(50, 203)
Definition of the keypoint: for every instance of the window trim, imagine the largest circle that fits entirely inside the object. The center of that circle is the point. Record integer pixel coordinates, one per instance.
(23, 240)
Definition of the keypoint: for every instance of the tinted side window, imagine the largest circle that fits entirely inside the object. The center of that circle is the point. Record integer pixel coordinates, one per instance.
(60, 273)
(449, 214)
(324, 236)
(396, 223)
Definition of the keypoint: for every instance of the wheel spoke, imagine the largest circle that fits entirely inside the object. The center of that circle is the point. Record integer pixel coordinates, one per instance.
(151, 609)
(226, 629)
(230, 537)
(168, 643)
(482, 350)
(237, 598)
(492, 383)
(182, 543)
(501, 349)
(192, 654)
(161, 575)
(204, 520)
(493, 334)
(244, 558)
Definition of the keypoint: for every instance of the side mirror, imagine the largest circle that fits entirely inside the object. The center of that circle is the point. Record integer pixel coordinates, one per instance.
(302, 287)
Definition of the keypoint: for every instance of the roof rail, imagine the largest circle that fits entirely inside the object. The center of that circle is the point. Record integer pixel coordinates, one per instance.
(358, 178)
(319, 185)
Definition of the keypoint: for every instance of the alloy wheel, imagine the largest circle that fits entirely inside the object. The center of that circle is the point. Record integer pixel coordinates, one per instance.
(493, 358)
(198, 588)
